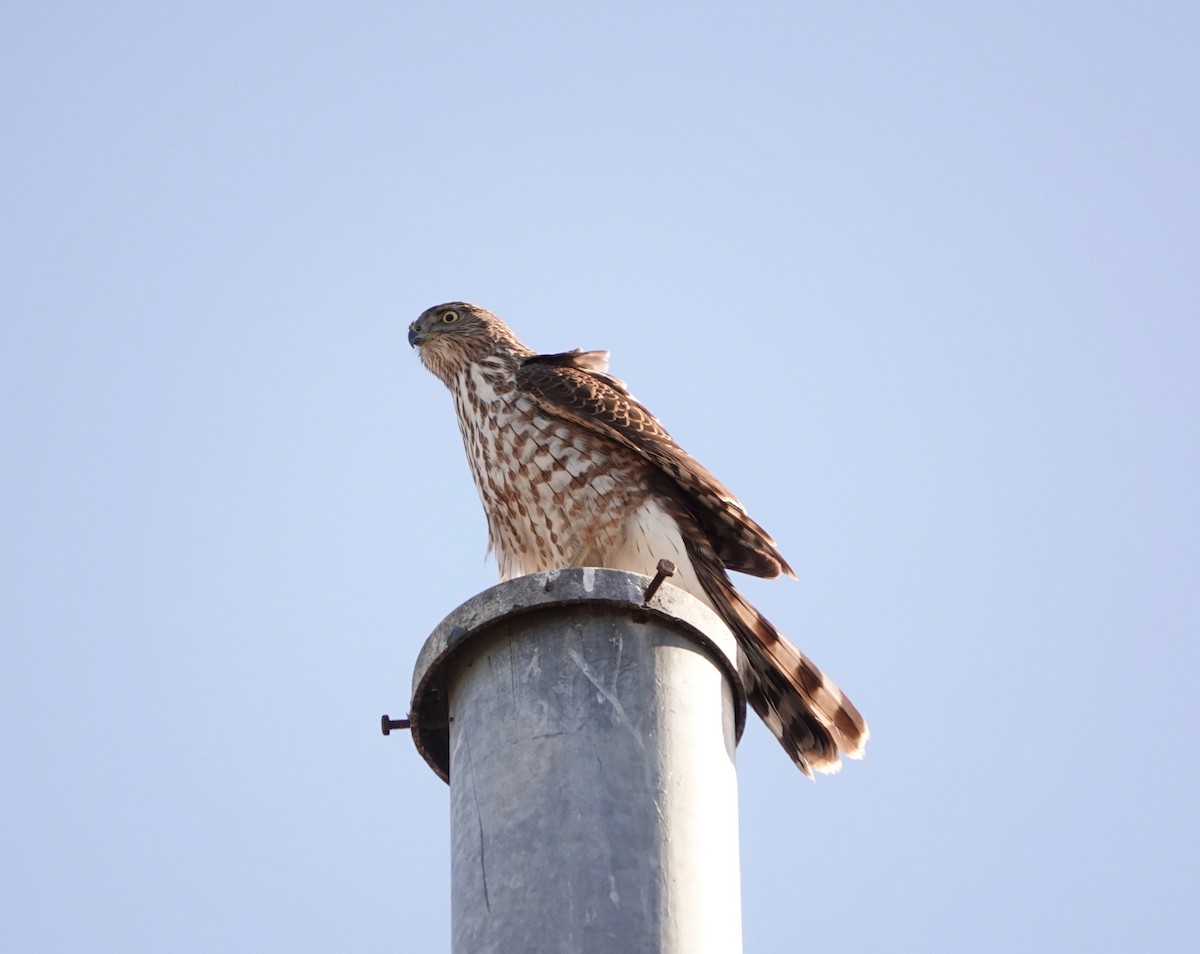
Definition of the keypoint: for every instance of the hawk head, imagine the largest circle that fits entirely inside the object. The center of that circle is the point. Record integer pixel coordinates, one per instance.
(457, 334)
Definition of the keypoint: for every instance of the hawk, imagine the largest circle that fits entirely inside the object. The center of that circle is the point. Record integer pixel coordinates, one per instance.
(574, 471)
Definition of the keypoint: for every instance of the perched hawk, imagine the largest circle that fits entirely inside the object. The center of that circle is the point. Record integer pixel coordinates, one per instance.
(573, 471)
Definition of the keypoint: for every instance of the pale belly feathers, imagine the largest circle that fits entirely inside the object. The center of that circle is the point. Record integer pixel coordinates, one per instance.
(557, 496)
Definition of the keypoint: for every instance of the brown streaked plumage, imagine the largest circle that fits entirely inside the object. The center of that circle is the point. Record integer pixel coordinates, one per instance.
(574, 471)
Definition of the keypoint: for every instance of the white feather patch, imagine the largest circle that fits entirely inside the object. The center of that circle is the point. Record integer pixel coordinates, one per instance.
(652, 535)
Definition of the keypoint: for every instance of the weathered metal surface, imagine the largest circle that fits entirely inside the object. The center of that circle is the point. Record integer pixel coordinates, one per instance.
(589, 741)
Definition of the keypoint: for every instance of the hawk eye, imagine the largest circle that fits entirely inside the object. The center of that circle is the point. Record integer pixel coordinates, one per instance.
(449, 317)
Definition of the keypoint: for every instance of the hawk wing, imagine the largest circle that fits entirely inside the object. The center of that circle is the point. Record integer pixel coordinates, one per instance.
(575, 387)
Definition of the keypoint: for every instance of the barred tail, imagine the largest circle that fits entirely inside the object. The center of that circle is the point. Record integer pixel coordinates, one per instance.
(801, 706)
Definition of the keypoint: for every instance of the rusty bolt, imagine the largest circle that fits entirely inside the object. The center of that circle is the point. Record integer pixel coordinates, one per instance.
(665, 568)
(388, 724)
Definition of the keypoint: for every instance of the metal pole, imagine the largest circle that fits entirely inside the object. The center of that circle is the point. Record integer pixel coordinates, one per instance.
(588, 738)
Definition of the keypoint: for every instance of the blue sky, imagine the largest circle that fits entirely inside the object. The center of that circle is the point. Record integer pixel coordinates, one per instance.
(917, 281)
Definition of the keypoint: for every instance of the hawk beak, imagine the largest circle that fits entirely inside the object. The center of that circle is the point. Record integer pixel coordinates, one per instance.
(416, 336)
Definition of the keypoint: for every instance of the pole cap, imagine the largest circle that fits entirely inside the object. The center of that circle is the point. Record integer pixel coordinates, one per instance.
(541, 593)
